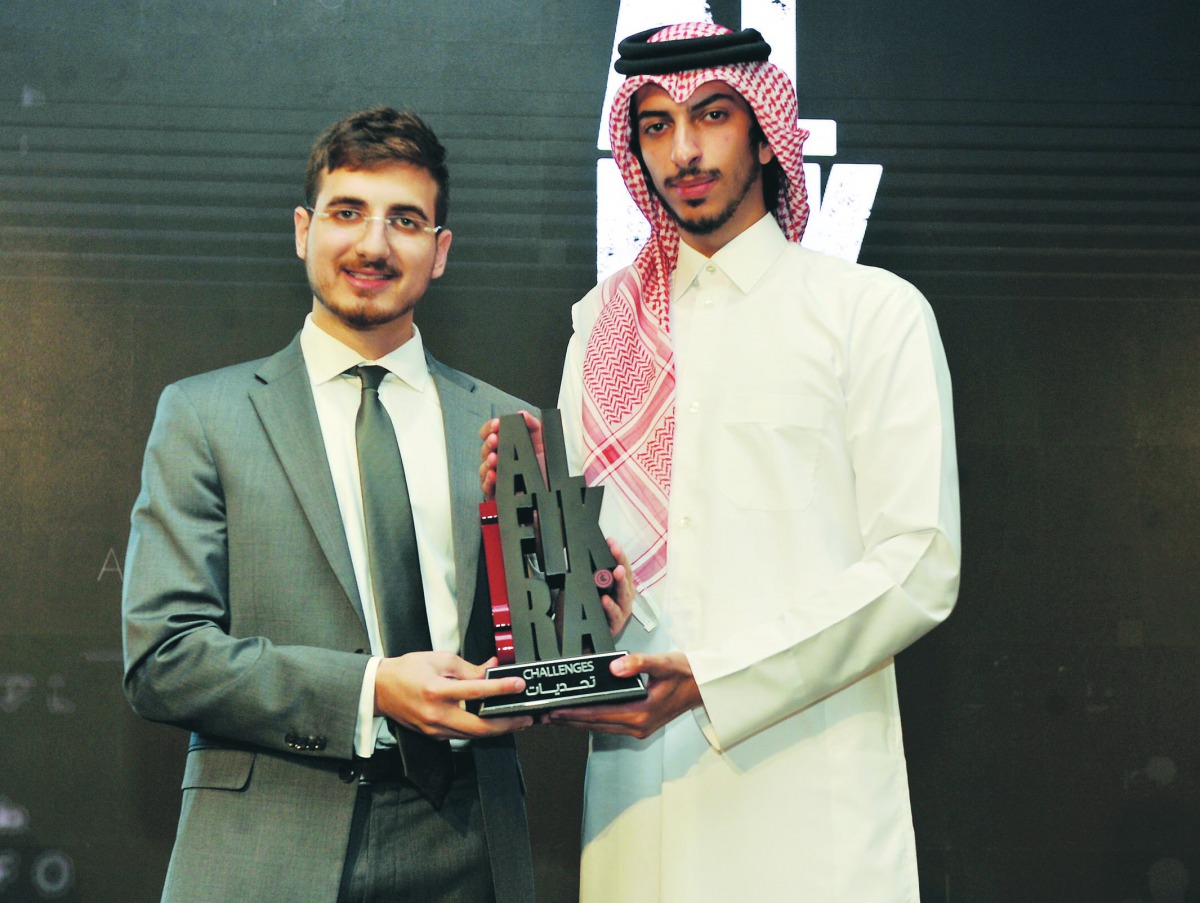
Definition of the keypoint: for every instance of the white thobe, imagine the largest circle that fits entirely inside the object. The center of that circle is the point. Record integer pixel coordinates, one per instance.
(813, 534)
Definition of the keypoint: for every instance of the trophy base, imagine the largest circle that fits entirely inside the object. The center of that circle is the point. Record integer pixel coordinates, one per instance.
(563, 683)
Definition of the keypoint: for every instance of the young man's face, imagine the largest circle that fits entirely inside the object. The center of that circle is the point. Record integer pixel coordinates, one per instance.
(367, 278)
(702, 161)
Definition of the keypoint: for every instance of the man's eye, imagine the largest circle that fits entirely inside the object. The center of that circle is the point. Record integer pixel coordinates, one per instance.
(404, 223)
(346, 216)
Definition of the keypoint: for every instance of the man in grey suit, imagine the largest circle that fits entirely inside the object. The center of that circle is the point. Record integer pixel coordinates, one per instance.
(253, 604)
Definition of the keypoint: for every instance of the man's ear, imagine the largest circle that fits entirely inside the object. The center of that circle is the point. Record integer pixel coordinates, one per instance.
(443, 252)
(302, 220)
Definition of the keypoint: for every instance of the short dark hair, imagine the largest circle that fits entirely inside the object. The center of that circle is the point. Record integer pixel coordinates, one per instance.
(376, 137)
(773, 175)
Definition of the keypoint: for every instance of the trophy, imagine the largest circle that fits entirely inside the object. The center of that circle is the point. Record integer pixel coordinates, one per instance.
(548, 564)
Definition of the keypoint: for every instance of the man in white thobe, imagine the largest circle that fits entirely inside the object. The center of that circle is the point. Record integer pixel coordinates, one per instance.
(774, 429)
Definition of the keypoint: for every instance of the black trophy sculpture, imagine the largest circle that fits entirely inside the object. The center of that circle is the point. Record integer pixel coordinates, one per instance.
(548, 565)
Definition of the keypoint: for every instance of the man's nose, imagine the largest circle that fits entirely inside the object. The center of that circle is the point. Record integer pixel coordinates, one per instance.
(373, 242)
(685, 149)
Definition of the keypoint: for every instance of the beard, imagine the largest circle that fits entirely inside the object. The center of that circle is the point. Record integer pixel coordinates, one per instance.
(357, 312)
(706, 225)
(362, 316)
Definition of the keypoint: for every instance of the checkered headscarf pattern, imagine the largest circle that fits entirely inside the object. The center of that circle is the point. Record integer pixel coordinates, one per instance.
(628, 370)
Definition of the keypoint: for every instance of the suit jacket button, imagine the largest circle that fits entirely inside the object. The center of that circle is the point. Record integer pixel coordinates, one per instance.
(348, 772)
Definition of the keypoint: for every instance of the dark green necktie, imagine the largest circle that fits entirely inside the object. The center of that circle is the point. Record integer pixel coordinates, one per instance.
(396, 571)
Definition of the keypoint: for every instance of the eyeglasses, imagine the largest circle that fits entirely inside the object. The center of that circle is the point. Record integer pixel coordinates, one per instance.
(351, 221)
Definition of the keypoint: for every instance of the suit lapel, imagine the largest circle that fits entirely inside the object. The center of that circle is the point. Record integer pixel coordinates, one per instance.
(463, 413)
(284, 403)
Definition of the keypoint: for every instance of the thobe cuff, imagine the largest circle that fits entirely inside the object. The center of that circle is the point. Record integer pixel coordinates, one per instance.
(706, 727)
(646, 612)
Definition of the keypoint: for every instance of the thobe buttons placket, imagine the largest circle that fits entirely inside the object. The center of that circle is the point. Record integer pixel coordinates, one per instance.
(707, 283)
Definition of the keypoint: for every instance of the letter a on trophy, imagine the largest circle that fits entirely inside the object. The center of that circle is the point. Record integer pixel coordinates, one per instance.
(548, 564)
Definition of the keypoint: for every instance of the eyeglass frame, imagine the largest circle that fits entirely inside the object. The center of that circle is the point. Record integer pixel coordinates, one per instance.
(389, 229)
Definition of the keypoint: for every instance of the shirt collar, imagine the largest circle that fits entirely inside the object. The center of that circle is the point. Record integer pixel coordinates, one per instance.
(327, 358)
(744, 260)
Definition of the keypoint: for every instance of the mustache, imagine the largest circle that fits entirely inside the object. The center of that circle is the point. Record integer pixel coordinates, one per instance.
(364, 265)
(690, 173)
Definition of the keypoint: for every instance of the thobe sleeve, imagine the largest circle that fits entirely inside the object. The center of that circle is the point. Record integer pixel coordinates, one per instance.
(899, 435)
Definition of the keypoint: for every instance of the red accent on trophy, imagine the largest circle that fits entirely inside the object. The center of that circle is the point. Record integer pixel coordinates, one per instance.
(489, 519)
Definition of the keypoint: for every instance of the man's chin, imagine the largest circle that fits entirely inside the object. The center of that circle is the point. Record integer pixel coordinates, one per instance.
(364, 317)
(367, 320)
(704, 225)
(698, 224)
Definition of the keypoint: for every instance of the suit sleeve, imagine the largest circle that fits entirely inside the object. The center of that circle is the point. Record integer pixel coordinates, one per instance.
(261, 678)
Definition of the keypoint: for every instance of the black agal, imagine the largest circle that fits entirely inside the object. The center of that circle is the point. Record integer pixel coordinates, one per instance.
(640, 56)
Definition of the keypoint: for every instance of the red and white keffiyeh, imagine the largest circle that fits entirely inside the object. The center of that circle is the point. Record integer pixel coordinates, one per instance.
(628, 369)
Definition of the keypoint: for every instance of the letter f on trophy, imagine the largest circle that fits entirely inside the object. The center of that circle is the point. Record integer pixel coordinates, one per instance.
(548, 565)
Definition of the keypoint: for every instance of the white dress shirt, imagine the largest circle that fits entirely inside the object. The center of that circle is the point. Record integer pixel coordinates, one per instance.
(410, 397)
(813, 533)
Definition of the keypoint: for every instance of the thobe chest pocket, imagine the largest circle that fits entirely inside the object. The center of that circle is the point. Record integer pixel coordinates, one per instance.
(766, 449)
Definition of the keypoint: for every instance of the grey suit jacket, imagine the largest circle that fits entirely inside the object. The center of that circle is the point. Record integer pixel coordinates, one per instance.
(242, 623)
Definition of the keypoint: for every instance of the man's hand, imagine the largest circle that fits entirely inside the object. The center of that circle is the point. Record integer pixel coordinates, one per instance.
(617, 610)
(490, 434)
(424, 692)
(672, 692)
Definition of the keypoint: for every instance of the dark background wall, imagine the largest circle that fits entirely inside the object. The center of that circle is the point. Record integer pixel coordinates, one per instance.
(1041, 185)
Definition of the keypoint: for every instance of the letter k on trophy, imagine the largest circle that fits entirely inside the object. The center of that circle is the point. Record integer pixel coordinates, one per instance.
(548, 565)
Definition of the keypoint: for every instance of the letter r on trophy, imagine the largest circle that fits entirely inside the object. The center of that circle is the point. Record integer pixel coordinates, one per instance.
(548, 564)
